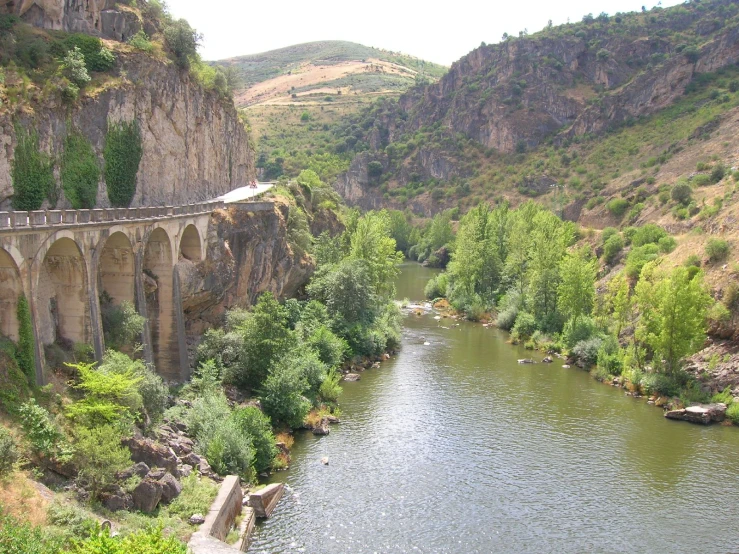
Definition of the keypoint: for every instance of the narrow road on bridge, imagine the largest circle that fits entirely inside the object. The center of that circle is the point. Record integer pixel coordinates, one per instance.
(245, 193)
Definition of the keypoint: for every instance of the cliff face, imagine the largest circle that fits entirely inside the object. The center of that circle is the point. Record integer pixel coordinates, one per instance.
(248, 254)
(94, 17)
(194, 146)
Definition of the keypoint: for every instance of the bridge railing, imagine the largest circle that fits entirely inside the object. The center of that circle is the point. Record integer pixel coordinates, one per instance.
(60, 218)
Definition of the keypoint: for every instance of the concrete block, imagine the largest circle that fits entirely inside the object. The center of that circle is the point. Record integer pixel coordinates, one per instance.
(265, 500)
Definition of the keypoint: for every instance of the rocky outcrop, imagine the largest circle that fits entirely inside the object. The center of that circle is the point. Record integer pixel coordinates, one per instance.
(194, 145)
(104, 18)
(248, 254)
(701, 413)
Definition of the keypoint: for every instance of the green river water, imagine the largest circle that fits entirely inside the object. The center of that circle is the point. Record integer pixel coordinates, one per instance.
(453, 447)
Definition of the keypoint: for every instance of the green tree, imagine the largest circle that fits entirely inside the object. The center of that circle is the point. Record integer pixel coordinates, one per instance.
(183, 41)
(618, 300)
(80, 172)
(577, 286)
(282, 394)
(673, 308)
(252, 422)
(32, 172)
(550, 238)
(122, 154)
(73, 67)
(371, 243)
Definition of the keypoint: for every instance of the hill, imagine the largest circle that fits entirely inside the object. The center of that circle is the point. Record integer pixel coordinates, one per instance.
(324, 67)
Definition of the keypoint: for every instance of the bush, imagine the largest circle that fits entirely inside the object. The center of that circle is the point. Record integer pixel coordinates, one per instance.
(282, 395)
(196, 497)
(717, 250)
(8, 452)
(225, 446)
(22, 538)
(525, 325)
(253, 423)
(141, 41)
(25, 354)
(94, 55)
(578, 330)
(638, 257)
(80, 172)
(732, 413)
(154, 393)
(661, 384)
(183, 41)
(149, 541)
(648, 234)
(331, 349)
(122, 154)
(74, 69)
(43, 435)
(724, 396)
(32, 172)
(330, 388)
(682, 193)
(612, 248)
(122, 324)
(507, 318)
(717, 173)
(617, 206)
(99, 455)
(587, 350)
(607, 233)
(436, 287)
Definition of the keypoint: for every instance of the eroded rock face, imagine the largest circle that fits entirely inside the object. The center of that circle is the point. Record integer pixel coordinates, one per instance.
(194, 146)
(94, 17)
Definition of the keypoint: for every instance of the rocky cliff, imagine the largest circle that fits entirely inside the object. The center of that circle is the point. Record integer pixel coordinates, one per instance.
(105, 18)
(194, 145)
(248, 253)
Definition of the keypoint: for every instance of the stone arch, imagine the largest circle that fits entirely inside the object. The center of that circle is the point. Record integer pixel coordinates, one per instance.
(191, 245)
(61, 291)
(11, 287)
(116, 268)
(158, 269)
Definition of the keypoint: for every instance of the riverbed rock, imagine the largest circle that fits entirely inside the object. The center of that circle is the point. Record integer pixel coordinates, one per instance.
(324, 460)
(565, 366)
(547, 360)
(352, 377)
(322, 428)
(526, 361)
(146, 495)
(700, 413)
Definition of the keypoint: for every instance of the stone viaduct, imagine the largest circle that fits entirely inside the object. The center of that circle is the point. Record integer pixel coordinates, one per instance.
(63, 260)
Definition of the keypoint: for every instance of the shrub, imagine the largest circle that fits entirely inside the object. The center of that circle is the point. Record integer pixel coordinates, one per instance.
(587, 350)
(151, 388)
(577, 330)
(717, 173)
(149, 541)
(282, 395)
(253, 423)
(32, 172)
(525, 325)
(80, 172)
(702, 180)
(22, 538)
(617, 206)
(95, 56)
(648, 234)
(661, 384)
(141, 41)
(330, 388)
(507, 318)
(122, 154)
(638, 257)
(717, 250)
(724, 396)
(8, 452)
(183, 41)
(607, 233)
(122, 324)
(74, 69)
(25, 354)
(667, 244)
(331, 349)
(732, 413)
(196, 497)
(436, 287)
(43, 435)
(682, 193)
(612, 248)
(99, 455)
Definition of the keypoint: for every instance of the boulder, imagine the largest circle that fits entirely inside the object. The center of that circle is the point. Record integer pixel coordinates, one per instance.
(352, 377)
(196, 519)
(547, 360)
(171, 487)
(191, 459)
(526, 361)
(156, 473)
(153, 454)
(322, 428)
(185, 470)
(700, 413)
(146, 495)
(140, 469)
(116, 501)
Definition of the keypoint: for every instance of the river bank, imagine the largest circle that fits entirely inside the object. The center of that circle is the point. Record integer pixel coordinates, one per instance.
(542, 458)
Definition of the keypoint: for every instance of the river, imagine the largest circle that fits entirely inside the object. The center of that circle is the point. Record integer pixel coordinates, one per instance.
(454, 447)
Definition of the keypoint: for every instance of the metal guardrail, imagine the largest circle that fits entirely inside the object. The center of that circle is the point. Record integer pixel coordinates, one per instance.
(61, 218)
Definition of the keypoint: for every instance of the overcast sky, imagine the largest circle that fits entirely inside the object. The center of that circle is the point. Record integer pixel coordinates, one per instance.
(440, 33)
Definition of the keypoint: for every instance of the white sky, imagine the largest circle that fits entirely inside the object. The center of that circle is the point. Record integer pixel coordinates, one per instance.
(436, 32)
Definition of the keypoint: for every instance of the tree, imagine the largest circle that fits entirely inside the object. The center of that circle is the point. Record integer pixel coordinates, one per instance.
(183, 41)
(549, 241)
(577, 286)
(673, 308)
(618, 300)
(371, 242)
(73, 67)
(282, 395)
